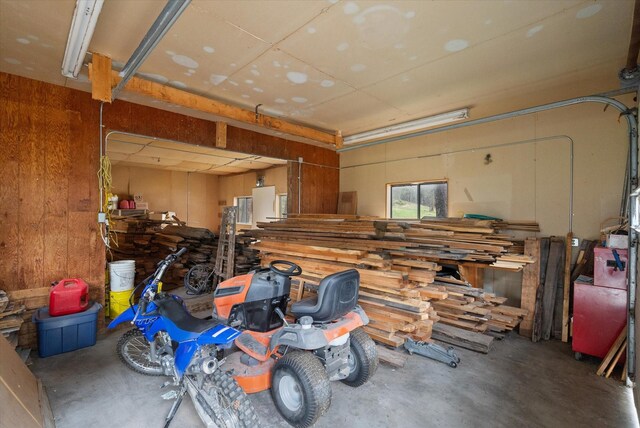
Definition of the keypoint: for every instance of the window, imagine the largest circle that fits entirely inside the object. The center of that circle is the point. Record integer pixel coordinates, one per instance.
(245, 209)
(282, 205)
(418, 200)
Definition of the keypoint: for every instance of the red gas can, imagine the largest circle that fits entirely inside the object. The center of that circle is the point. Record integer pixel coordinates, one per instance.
(68, 296)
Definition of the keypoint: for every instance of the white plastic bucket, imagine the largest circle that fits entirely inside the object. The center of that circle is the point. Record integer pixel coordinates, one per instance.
(122, 274)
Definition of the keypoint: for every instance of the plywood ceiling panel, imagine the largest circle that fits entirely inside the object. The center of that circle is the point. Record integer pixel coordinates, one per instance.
(340, 65)
(33, 36)
(122, 26)
(136, 150)
(228, 170)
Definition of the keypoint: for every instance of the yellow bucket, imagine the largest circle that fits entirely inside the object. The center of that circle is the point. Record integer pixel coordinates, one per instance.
(118, 302)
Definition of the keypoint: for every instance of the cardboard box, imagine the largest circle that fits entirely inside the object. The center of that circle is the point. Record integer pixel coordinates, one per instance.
(618, 241)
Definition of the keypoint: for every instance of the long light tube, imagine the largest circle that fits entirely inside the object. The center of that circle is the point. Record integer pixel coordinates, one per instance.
(84, 22)
(407, 127)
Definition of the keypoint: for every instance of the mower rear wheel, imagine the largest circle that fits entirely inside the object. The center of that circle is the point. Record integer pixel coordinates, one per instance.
(300, 388)
(363, 358)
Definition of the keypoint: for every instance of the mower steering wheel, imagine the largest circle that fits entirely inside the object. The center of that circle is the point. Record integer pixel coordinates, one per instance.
(294, 269)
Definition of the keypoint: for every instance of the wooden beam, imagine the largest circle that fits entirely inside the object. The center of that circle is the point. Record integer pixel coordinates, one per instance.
(530, 283)
(197, 102)
(221, 135)
(100, 75)
(567, 289)
(339, 140)
(472, 273)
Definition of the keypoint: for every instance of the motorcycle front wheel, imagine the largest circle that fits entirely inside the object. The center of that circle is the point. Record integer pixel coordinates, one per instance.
(135, 352)
(222, 403)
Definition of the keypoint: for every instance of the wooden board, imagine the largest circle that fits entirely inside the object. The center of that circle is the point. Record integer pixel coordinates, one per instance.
(553, 274)
(612, 351)
(537, 319)
(348, 203)
(462, 338)
(19, 387)
(530, 282)
(556, 328)
(566, 295)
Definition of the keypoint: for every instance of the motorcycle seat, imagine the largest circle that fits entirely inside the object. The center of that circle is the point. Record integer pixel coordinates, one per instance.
(173, 310)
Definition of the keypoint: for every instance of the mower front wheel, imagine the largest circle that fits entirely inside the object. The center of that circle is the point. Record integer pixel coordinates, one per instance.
(363, 358)
(300, 388)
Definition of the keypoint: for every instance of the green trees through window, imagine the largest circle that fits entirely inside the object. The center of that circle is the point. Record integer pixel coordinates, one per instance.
(417, 200)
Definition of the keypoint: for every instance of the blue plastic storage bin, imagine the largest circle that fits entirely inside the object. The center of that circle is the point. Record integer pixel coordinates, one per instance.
(66, 333)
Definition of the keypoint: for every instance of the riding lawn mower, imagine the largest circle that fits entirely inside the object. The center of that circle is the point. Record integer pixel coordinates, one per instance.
(296, 358)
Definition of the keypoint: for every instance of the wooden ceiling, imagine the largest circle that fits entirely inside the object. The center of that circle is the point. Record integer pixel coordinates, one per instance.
(140, 151)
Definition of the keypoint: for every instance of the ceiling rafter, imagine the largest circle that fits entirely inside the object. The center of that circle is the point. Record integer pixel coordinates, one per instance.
(98, 73)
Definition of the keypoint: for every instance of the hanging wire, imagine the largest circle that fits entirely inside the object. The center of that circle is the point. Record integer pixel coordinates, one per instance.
(104, 181)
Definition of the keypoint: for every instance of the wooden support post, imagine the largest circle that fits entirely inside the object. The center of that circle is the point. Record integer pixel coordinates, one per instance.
(567, 289)
(339, 140)
(182, 98)
(100, 76)
(300, 292)
(474, 275)
(530, 283)
(221, 135)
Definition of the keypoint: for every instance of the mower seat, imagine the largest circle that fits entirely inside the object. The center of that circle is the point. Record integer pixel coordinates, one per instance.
(337, 296)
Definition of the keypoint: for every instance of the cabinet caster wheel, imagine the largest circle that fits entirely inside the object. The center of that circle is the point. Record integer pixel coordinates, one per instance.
(578, 356)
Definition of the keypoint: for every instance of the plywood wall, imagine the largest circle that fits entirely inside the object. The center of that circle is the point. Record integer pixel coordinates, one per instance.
(49, 193)
(320, 176)
(233, 186)
(192, 196)
(49, 140)
(528, 178)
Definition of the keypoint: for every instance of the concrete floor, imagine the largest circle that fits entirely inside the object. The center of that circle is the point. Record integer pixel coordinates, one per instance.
(519, 384)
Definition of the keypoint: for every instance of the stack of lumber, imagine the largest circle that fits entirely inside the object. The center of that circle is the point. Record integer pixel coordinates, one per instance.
(31, 299)
(436, 240)
(476, 310)
(398, 266)
(149, 241)
(11, 318)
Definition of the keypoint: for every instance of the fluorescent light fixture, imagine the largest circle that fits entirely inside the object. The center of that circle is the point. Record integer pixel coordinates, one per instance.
(408, 127)
(84, 22)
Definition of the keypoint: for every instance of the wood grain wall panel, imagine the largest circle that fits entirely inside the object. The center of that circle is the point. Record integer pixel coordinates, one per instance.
(49, 196)
(56, 191)
(31, 187)
(137, 119)
(9, 190)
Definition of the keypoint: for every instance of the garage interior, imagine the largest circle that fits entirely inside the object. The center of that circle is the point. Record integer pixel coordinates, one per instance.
(469, 168)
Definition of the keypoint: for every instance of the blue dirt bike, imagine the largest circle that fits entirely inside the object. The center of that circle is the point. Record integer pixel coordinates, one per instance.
(168, 340)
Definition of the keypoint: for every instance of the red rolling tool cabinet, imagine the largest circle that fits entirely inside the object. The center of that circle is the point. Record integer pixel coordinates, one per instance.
(600, 308)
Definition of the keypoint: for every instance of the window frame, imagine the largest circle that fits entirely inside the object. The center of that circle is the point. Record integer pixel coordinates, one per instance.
(389, 186)
(236, 201)
(279, 205)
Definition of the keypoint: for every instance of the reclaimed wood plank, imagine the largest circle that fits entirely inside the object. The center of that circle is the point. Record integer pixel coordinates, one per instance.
(530, 283)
